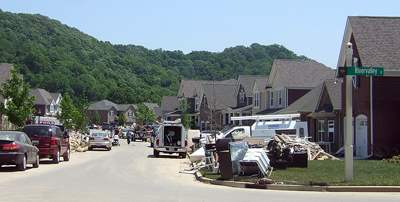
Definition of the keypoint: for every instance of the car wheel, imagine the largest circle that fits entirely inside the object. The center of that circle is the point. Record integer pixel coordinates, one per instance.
(109, 149)
(151, 144)
(90, 148)
(56, 158)
(36, 164)
(22, 165)
(68, 155)
(156, 153)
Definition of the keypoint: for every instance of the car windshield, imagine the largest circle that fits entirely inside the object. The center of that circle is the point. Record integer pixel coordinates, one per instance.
(39, 131)
(99, 135)
(8, 136)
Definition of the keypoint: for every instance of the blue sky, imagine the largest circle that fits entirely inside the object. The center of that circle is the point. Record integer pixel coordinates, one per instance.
(311, 28)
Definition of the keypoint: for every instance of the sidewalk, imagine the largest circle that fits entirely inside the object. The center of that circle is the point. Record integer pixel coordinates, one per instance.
(200, 178)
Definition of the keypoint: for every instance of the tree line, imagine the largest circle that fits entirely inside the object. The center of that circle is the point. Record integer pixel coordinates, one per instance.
(62, 59)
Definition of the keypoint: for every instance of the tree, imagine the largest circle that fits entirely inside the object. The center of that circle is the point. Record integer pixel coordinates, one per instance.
(67, 112)
(80, 120)
(183, 105)
(145, 114)
(19, 105)
(96, 118)
(122, 119)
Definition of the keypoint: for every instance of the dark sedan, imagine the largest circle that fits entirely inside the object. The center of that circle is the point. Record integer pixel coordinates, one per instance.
(16, 149)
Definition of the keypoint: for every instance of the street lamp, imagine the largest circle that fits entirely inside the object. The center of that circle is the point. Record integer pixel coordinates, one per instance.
(39, 112)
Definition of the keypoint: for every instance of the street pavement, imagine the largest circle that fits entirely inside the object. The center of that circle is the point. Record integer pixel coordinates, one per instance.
(131, 173)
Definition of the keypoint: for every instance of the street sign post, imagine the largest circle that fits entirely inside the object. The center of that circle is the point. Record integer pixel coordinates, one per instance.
(365, 71)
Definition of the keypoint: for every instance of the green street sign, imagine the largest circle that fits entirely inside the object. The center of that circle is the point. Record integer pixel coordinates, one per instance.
(365, 71)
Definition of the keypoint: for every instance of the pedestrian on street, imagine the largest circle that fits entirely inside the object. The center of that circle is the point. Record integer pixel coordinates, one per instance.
(128, 137)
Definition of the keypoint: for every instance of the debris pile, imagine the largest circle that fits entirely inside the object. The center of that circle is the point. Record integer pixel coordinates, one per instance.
(314, 151)
(76, 141)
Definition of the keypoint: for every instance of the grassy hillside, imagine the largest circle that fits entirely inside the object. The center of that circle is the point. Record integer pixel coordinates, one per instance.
(59, 58)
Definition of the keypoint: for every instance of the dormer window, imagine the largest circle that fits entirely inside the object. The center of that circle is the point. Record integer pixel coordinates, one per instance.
(111, 112)
(256, 100)
(241, 97)
(205, 99)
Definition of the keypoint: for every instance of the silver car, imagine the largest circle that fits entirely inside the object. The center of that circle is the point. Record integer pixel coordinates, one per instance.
(99, 140)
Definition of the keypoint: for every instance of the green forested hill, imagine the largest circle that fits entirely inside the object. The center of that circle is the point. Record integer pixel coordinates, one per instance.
(59, 58)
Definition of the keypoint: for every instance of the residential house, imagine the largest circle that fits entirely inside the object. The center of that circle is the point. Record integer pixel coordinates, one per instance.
(190, 90)
(109, 111)
(375, 43)
(46, 104)
(169, 104)
(321, 108)
(155, 108)
(289, 80)
(244, 99)
(5, 73)
(214, 99)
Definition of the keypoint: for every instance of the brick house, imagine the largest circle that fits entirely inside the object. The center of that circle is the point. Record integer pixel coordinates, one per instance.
(376, 43)
(244, 99)
(191, 90)
(109, 111)
(46, 104)
(215, 98)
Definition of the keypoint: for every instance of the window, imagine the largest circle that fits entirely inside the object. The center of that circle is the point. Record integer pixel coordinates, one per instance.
(241, 97)
(331, 130)
(205, 99)
(111, 112)
(280, 97)
(197, 105)
(256, 100)
(321, 130)
(130, 113)
(271, 97)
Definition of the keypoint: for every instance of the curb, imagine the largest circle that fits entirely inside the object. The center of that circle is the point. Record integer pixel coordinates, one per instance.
(236, 184)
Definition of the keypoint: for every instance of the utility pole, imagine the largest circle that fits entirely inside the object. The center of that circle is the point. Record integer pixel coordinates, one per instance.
(348, 149)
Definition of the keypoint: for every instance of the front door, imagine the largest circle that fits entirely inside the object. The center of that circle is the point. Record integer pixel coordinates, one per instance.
(361, 136)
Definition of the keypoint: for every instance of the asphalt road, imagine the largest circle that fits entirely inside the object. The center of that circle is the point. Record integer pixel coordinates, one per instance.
(131, 173)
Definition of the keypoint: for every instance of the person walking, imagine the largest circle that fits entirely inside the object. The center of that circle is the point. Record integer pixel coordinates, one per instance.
(128, 137)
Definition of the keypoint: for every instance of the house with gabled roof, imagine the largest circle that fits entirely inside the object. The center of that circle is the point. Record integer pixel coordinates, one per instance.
(5, 73)
(169, 104)
(375, 43)
(215, 98)
(191, 90)
(321, 108)
(289, 80)
(109, 111)
(46, 104)
(244, 99)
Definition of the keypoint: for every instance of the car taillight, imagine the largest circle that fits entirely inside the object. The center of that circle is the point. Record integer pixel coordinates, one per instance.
(53, 141)
(157, 142)
(10, 147)
(106, 138)
(92, 138)
(185, 143)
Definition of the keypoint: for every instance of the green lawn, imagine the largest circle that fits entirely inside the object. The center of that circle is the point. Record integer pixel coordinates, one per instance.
(366, 173)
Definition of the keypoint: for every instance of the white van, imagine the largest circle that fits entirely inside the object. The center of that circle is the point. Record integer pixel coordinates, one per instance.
(171, 138)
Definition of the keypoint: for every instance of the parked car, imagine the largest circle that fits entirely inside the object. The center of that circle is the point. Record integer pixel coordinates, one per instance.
(17, 149)
(50, 140)
(99, 140)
